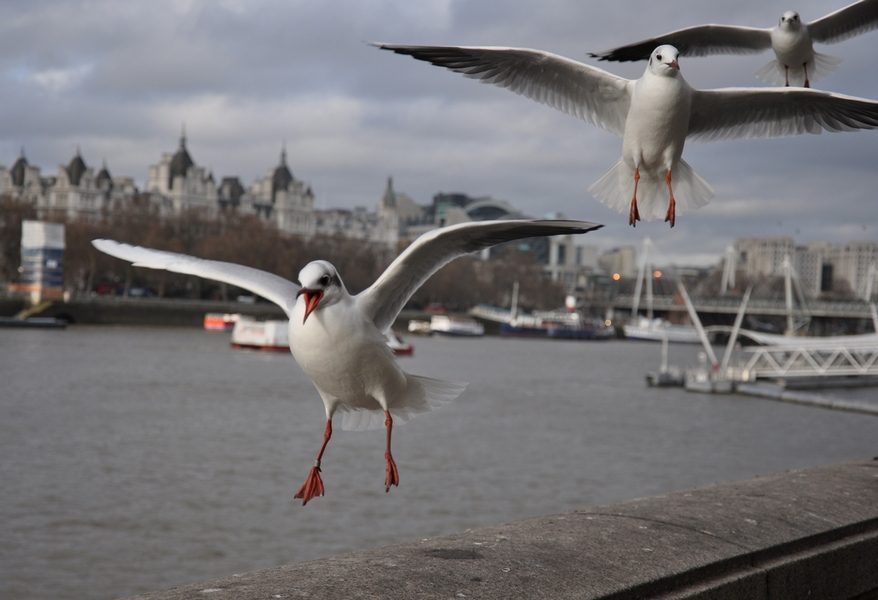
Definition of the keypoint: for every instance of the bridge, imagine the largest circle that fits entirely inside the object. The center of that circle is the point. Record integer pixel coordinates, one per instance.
(759, 307)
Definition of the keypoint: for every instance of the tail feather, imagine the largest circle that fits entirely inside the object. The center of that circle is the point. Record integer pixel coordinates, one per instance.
(615, 188)
(818, 67)
(423, 395)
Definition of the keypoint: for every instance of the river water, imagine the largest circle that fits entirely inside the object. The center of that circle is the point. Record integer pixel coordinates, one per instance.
(137, 459)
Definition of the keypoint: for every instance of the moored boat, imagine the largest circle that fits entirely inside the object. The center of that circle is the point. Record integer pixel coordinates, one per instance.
(33, 322)
(399, 346)
(456, 326)
(273, 336)
(656, 330)
(220, 321)
(587, 330)
(261, 335)
(419, 327)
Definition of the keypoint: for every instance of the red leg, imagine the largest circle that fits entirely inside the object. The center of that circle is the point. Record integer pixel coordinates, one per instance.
(786, 71)
(672, 205)
(634, 214)
(392, 477)
(807, 83)
(313, 486)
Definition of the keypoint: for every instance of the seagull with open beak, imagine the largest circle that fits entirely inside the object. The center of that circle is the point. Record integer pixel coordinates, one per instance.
(339, 339)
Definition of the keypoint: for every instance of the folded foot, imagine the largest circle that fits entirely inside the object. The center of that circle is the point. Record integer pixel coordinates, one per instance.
(633, 213)
(671, 216)
(313, 486)
(392, 477)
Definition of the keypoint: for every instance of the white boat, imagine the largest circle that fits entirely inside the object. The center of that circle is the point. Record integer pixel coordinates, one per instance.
(273, 336)
(261, 335)
(455, 326)
(419, 327)
(399, 346)
(657, 330)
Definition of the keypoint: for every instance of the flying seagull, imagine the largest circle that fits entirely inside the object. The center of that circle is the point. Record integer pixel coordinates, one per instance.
(791, 39)
(654, 115)
(338, 339)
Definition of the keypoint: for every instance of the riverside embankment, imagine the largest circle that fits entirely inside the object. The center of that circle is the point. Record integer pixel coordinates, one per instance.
(810, 533)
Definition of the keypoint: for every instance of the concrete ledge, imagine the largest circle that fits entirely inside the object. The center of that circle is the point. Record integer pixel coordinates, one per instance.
(802, 534)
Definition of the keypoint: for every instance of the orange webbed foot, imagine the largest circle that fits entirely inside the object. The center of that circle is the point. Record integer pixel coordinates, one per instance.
(313, 486)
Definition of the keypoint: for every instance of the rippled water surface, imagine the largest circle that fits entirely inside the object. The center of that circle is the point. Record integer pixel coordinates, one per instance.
(136, 459)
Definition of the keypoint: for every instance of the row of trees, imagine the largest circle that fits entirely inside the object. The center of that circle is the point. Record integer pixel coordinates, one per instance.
(247, 240)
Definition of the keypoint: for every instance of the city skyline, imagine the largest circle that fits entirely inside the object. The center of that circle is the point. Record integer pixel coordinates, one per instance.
(120, 80)
(178, 182)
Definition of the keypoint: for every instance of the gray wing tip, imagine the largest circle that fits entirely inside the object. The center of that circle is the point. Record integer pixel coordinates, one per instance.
(580, 226)
(619, 55)
(398, 48)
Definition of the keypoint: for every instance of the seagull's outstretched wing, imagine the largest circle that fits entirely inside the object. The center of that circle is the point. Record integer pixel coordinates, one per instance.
(700, 40)
(574, 88)
(383, 300)
(845, 23)
(761, 113)
(271, 287)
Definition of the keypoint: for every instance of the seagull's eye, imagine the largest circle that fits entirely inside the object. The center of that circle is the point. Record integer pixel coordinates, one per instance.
(324, 281)
(658, 56)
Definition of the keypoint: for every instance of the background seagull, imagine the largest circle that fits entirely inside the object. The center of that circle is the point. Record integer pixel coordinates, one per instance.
(791, 39)
(654, 115)
(338, 339)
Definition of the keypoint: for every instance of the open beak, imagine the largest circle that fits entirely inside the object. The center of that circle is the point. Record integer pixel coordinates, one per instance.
(312, 299)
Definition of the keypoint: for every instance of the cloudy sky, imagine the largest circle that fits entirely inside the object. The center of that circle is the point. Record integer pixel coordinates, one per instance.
(118, 78)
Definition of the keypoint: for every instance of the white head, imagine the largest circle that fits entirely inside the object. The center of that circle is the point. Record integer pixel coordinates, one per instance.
(790, 20)
(663, 61)
(321, 286)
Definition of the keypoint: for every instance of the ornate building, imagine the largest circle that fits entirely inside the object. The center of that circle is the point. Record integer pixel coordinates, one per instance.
(23, 181)
(282, 199)
(75, 192)
(177, 184)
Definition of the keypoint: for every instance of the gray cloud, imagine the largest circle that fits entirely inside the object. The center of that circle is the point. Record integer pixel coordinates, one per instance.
(120, 78)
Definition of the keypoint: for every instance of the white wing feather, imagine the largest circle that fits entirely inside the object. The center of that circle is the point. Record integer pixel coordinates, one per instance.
(732, 113)
(574, 88)
(383, 300)
(700, 40)
(854, 19)
(271, 287)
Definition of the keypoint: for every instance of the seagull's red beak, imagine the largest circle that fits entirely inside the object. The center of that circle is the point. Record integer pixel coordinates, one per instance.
(674, 64)
(312, 299)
